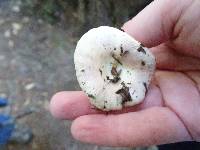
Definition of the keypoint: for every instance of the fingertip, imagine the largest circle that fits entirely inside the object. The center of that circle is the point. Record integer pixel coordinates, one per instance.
(56, 105)
(131, 28)
(70, 105)
(150, 27)
(82, 127)
(127, 26)
(75, 127)
(88, 128)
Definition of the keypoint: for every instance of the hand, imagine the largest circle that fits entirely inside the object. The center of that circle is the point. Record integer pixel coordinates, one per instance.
(171, 109)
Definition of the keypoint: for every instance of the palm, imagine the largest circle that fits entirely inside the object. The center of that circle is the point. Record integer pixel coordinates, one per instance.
(179, 84)
(180, 94)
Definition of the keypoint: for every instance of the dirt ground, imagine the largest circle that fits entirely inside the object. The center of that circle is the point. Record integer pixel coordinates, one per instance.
(36, 61)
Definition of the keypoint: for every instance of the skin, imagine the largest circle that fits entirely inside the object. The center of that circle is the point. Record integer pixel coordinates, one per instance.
(170, 112)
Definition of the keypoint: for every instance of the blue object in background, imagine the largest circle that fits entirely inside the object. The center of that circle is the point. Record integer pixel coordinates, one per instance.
(3, 102)
(6, 124)
(10, 131)
(6, 128)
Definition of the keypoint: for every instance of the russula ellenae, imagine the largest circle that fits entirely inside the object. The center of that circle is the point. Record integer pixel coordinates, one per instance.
(112, 68)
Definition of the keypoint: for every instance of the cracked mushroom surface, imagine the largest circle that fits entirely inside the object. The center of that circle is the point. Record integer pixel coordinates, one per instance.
(112, 68)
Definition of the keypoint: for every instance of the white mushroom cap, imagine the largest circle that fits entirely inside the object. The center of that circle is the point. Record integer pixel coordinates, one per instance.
(112, 68)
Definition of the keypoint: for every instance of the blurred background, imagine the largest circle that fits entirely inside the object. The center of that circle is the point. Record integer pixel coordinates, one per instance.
(37, 41)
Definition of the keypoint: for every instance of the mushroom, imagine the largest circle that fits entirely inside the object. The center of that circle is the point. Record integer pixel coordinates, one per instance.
(112, 68)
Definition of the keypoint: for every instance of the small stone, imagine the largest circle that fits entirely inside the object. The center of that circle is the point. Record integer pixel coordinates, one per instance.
(27, 102)
(7, 34)
(29, 86)
(3, 95)
(16, 28)
(16, 9)
(11, 43)
(40, 21)
(15, 32)
(25, 20)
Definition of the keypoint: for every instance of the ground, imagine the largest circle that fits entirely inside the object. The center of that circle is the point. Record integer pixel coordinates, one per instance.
(36, 61)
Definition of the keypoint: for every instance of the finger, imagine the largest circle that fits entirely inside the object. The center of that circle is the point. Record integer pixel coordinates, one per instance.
(157, 125)
(182, 96)
(155, 24)
(168, 58)
(69, 105)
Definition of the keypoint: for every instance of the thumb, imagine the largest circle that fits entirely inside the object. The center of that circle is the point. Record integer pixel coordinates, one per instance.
(156, 23)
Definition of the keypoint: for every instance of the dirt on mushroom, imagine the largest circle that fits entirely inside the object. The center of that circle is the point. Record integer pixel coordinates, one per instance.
(124, 68)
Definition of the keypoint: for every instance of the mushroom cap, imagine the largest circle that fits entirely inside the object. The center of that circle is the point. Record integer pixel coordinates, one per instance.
(112, 68)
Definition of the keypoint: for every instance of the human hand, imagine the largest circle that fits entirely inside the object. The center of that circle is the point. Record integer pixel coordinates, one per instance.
(170, 112)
